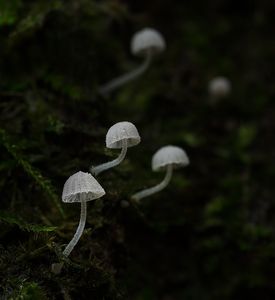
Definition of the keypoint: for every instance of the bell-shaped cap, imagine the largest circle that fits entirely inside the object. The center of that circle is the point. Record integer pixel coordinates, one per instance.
(122, 131)
(169, 155)
(147, 39)
(219, 86)
(81, 187)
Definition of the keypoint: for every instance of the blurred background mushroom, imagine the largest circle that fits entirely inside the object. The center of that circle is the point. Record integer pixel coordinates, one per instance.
(145, 43)
(219, 87)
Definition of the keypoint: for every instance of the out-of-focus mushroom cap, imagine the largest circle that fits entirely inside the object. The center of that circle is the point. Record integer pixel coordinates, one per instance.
(219, 86)
(147, 39)
(122, 131)
(169, 155)
(81, 187)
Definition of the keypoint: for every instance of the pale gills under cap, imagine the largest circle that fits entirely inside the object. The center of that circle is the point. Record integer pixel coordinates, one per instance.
(169, 155)
(147, 39)
(81, 187)
(122, 131)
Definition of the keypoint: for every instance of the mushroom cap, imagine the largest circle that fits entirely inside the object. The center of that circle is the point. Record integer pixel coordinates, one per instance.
(122, 131)
(81, 187)
(169, 155)
(147, 39)
(219, 86)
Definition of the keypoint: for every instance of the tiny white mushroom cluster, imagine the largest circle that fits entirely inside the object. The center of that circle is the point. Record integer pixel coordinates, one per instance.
(145, 43)
(83, 187)
(166, 158)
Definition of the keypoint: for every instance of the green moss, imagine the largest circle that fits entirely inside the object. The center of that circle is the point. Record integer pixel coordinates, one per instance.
(209, 234)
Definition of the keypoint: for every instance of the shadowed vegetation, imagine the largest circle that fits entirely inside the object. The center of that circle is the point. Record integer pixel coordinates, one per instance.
(210, 233)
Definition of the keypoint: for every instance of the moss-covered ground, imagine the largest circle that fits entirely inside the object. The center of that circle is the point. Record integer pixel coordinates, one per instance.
(211, 234)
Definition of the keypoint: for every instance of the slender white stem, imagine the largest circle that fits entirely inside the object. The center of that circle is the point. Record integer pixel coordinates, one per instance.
(117, 82)
(108, 165)
(157, 188)
(79, 230)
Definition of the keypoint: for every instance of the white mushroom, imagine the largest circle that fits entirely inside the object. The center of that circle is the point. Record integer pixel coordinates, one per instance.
(147, 40)
(145, 43)
(120, 136)
(80, 187)
(219, 87)
(166, 158)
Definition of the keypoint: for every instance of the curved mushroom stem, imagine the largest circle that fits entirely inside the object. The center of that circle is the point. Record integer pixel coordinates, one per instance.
(79, 230)
(117, 82)
(103, 167)
(157, 188)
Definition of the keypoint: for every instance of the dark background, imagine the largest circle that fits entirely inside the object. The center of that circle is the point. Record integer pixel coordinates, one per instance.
(210, 233)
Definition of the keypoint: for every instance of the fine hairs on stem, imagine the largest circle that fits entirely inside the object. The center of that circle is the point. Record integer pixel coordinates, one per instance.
(103, 167)
(79, 230)
(117, 82)
(157, 188)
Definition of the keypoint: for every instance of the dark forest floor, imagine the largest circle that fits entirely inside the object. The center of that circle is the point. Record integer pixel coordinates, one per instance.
(210, 233)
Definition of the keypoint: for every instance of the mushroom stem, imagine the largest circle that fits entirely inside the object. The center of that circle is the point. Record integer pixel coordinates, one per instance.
(79, 230)
(117, 82)
(157, 188)
(108, 165)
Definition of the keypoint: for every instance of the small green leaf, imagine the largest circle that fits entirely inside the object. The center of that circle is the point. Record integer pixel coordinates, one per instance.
(9, 11)
(29, 291)
(16, 220)
(246, 135)
(215, 206)
(44, 183)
